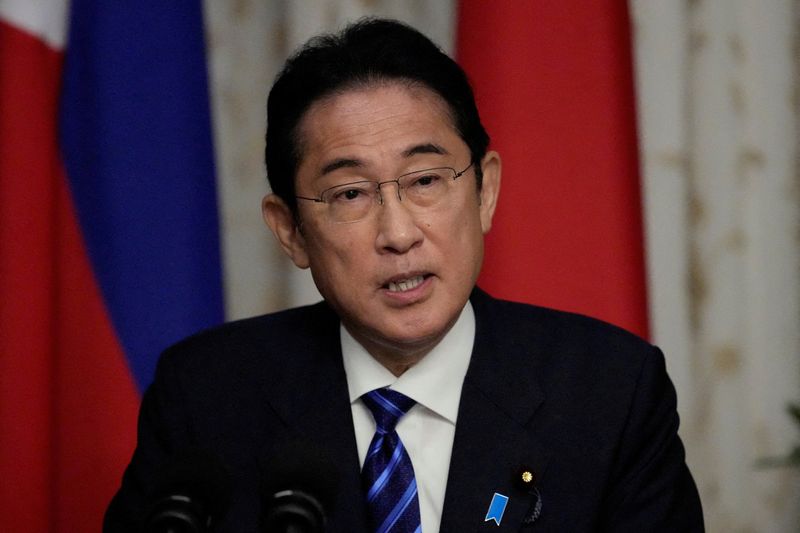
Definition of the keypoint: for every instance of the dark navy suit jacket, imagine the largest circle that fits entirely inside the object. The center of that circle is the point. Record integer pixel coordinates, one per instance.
(585, 405)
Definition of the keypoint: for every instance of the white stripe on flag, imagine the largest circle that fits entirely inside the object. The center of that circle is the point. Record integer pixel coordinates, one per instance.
(46, 19)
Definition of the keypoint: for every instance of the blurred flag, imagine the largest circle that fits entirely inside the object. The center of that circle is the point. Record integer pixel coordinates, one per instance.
(554, 85)
(109, 246)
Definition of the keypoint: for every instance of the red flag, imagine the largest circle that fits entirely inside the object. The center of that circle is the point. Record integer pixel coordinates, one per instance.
(55, 398)
(108, 240)
(67, 416)
(554, 84)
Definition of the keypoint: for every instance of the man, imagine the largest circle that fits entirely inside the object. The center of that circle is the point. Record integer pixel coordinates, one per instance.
(440, 406)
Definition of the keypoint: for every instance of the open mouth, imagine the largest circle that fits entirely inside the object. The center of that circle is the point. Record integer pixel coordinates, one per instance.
(405, 284)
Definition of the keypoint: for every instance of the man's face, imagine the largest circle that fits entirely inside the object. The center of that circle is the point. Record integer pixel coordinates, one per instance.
(398, 279)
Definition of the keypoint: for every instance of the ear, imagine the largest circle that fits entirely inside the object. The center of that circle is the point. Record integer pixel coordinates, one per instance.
(490, 189)
(281, 221)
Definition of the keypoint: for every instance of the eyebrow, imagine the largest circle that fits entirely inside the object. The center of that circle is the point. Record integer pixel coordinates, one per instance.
(426, 148)
(344, 162)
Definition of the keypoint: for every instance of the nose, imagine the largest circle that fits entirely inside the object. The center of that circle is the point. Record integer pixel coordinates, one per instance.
(398, 231)
(380, 190)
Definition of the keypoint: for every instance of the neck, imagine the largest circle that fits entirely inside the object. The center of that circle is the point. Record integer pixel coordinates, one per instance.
(397, 358)
(397, 365)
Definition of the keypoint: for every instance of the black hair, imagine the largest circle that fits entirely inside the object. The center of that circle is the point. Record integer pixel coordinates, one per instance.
(367, 52)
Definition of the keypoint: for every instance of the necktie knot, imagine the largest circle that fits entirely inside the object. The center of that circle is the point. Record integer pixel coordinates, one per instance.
(387, 407)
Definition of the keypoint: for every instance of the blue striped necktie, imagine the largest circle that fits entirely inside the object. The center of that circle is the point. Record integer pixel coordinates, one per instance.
(388, 475)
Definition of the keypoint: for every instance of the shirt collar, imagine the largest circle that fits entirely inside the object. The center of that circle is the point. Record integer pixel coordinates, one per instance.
(435, 381)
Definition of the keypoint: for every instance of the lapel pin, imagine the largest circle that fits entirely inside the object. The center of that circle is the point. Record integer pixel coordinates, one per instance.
(525, 480)
(496, 508)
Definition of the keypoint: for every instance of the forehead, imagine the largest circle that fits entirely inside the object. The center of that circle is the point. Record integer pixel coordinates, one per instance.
(374, 122)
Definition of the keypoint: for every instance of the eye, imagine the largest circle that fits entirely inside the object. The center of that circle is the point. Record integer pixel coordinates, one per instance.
(349, 193)
(426, 180)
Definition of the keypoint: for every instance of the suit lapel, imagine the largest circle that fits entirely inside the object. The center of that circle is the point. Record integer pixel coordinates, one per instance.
(314, 404)
(495, 429)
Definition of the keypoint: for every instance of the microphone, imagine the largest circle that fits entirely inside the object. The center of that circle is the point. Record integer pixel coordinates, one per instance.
(299, 488)
(193, 492)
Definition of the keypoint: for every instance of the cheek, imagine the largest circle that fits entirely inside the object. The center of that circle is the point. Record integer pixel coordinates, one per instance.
(466, 242)
(465, 221)
(332, 252)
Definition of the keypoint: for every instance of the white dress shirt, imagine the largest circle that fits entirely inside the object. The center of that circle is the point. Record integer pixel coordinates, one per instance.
(428, 429)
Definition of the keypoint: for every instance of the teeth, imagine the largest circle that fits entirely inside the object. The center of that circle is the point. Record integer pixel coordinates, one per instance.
(405, 285)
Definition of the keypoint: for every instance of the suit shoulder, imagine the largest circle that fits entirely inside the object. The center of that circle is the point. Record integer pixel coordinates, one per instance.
(561, 326)
(562, 347)
(262, 335)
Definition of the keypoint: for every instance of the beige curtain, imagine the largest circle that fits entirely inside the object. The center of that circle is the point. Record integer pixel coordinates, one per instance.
(718, 105)
(719, 92)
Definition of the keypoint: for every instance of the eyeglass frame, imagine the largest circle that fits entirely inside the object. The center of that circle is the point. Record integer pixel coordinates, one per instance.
(379, 184)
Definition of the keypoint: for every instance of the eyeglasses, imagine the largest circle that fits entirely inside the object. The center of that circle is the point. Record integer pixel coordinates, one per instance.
(419, 190)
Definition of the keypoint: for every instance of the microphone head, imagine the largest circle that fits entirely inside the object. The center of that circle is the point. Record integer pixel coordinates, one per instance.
(299, 487)
(194, 491)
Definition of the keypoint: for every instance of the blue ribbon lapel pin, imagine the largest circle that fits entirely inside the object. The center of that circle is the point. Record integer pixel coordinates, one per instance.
(496, 508)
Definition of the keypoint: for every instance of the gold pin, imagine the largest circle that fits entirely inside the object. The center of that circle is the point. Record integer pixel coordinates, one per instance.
(525, 479)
